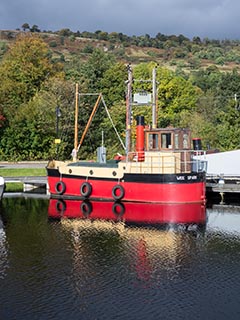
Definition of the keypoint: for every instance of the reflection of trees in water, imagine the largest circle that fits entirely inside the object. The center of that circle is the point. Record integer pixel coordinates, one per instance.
(3, 251)
(97, 254)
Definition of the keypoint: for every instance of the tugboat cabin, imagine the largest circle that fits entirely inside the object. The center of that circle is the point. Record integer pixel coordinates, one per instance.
(162, 150)
(167, 138)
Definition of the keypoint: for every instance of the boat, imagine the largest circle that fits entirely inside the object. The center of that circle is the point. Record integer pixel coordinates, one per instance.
(130, 213)
(161, 168)
(2, 187)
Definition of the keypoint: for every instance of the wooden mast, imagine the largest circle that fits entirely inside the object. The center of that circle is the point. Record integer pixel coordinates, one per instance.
(90, 120)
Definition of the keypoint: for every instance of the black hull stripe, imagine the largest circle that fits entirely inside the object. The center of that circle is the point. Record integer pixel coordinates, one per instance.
(141, 178)
(165, 178)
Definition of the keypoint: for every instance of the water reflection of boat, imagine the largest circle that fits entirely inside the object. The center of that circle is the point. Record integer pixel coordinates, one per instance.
(129, 212)
(149, 253)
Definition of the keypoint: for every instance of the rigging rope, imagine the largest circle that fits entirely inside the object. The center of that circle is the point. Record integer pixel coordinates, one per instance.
(115, 129)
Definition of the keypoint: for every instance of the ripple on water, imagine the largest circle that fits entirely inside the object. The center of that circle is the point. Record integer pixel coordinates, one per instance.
(3, 254)
(103, 270)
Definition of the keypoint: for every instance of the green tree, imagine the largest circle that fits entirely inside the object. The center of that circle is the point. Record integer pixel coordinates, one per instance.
(228, 129)
(65, 32)
(202, 120)
(24, 68)
(177, 96)
(113, 85)
(94, 69)
(35, 28)
(206, 79)
(175, 93)
(25, 27)
(33, 130)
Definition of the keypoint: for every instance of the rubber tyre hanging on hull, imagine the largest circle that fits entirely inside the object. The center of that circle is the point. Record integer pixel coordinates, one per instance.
(118, 192)
(86, 189)
(60, 187)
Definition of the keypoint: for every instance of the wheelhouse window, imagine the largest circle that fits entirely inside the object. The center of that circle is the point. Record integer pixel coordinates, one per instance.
(166, 141)
(185, 141)
(153, 141)
(176, 140)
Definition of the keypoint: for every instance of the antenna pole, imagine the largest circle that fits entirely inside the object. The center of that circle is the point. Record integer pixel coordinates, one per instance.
(128, 109)
(154, 99)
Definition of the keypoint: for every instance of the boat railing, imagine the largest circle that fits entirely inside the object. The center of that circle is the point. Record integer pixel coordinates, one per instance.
(169, 161)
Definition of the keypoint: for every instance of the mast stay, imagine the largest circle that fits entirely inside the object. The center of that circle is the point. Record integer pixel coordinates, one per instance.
(97, 103)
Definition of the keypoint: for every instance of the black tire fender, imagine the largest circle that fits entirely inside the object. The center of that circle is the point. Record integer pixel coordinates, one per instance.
(118, 192)
(60, 187)
(86, 189)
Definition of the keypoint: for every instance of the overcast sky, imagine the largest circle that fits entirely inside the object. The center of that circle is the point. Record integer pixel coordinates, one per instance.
(215, 19)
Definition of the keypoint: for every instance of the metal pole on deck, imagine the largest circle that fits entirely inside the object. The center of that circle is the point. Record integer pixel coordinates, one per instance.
(128, 109)
(154, 99)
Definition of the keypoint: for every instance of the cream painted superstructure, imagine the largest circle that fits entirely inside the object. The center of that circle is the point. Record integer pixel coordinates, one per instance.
(154, 163)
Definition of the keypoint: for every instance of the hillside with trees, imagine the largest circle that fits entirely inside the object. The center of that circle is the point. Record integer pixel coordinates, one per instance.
(198, 86)
(173, 51)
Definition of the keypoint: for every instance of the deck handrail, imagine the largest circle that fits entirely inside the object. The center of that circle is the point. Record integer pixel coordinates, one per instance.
(176, 160)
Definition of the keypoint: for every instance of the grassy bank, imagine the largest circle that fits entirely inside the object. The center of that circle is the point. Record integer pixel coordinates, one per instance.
(21, 172)
(14, 187)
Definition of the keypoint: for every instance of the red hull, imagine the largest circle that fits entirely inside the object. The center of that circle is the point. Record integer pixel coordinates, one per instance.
(189, 192)
(141, 213)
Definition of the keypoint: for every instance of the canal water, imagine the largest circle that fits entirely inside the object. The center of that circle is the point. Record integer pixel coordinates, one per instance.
(53, 268)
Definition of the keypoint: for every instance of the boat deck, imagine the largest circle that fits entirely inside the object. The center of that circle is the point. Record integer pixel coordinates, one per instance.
(108, 164)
